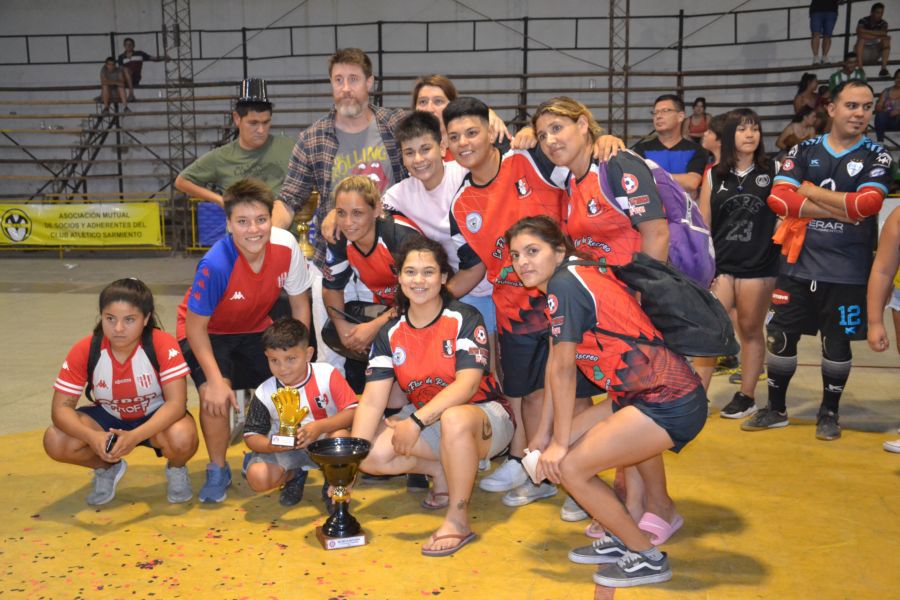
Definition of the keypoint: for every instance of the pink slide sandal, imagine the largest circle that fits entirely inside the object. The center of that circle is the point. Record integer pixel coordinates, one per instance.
(658, 528)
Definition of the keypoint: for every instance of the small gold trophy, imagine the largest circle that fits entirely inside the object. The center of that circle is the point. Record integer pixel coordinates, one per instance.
(290, 415)
(303, 219)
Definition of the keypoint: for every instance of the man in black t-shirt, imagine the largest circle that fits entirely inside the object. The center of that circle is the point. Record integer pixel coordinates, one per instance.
(872, 36)
(829, 190)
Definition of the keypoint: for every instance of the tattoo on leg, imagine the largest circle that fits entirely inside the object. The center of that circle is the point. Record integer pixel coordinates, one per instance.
(486, 430)
(462, 504)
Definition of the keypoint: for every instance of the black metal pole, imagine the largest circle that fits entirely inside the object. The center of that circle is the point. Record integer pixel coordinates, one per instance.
(379, 86)
(522, 115)
(244, 50)
(680, 83)
(847, 22)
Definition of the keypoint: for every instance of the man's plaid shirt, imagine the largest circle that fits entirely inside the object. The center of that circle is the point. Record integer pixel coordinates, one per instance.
(313, 157)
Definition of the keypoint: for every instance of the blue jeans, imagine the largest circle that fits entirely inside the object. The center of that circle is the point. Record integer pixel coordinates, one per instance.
(885, 122)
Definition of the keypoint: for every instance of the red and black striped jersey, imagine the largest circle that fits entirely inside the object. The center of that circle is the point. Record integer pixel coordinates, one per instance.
(526, 185)
(583, 302)
(425, 360)
(375, 269)
(604, 226)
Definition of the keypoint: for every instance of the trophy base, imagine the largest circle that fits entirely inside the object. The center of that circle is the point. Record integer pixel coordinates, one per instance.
(335, 543)
(286, 441)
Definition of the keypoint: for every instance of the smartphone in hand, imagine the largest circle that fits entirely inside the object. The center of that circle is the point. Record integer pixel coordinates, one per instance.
(111, 442)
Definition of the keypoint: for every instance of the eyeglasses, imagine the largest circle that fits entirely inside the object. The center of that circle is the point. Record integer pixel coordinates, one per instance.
(662, 111)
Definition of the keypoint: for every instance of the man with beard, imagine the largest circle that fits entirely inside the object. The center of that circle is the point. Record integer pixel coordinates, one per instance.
(354, 138)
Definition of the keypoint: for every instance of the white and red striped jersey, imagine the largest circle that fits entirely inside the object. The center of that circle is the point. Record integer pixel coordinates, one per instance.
(128, 390)
(324, 392)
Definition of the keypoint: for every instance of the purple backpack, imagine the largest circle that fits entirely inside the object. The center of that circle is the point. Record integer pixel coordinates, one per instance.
(690, 245)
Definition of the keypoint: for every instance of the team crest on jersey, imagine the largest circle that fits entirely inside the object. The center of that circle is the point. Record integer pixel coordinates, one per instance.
(788, 164)
(281, 279)
(629, 183)
(447, 348)
(321, 401)
(498, 249)
(144, 380)
(593, 207)
(523, 188)
(473, 222)
(481, 335)
(552, 303)
(399, 356)
(883, 159)
(854, 168)
(794, 150)
(762, 180)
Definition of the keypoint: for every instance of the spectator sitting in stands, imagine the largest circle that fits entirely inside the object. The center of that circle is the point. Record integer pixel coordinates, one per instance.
(872, 39)
(887, 111)
(113, 79)
(682, 158)
(807, 94)
(695, 126)
(133, 61)
(849, 70)
(802, 127)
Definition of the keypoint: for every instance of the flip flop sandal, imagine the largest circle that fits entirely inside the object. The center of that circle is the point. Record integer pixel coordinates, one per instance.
(428, 503)
(659, 528)
(594, 530)
(463, 540)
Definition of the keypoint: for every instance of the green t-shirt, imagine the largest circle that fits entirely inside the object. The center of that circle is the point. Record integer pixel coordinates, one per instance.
(840, 77)
(230, 163)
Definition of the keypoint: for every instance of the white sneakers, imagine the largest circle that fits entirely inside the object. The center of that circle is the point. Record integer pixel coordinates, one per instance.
(511, 474)
(570, 511)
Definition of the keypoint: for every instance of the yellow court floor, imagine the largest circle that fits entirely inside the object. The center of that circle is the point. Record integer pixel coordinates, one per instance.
(775, 514)
(768, 515)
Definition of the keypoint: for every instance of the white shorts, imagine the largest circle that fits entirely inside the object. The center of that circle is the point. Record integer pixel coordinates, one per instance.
(501, 428)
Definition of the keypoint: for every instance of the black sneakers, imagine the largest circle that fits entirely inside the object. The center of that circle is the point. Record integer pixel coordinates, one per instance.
(292, 492)
(740, 406)
(827, 427)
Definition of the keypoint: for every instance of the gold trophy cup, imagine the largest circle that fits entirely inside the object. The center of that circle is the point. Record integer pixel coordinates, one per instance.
(339, 459)
(290, 415)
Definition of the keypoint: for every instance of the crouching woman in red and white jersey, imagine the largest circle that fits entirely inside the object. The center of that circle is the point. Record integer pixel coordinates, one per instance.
(137, 374)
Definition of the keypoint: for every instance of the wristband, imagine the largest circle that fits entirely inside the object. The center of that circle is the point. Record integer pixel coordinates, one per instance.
(417, 421)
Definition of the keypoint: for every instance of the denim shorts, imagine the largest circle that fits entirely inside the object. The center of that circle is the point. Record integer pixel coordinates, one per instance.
(822, 22)
(106, 421)
(682, 418)
(290, 460)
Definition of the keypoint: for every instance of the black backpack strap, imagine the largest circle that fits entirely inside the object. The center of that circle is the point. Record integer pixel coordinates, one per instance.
(149, 350)
(629, 338)
(588, 263)
(93, 358)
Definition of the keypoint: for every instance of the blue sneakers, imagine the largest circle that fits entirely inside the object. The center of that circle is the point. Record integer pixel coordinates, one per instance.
(217, 481)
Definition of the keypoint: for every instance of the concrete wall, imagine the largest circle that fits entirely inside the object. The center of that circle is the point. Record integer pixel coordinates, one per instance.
(405, 42)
